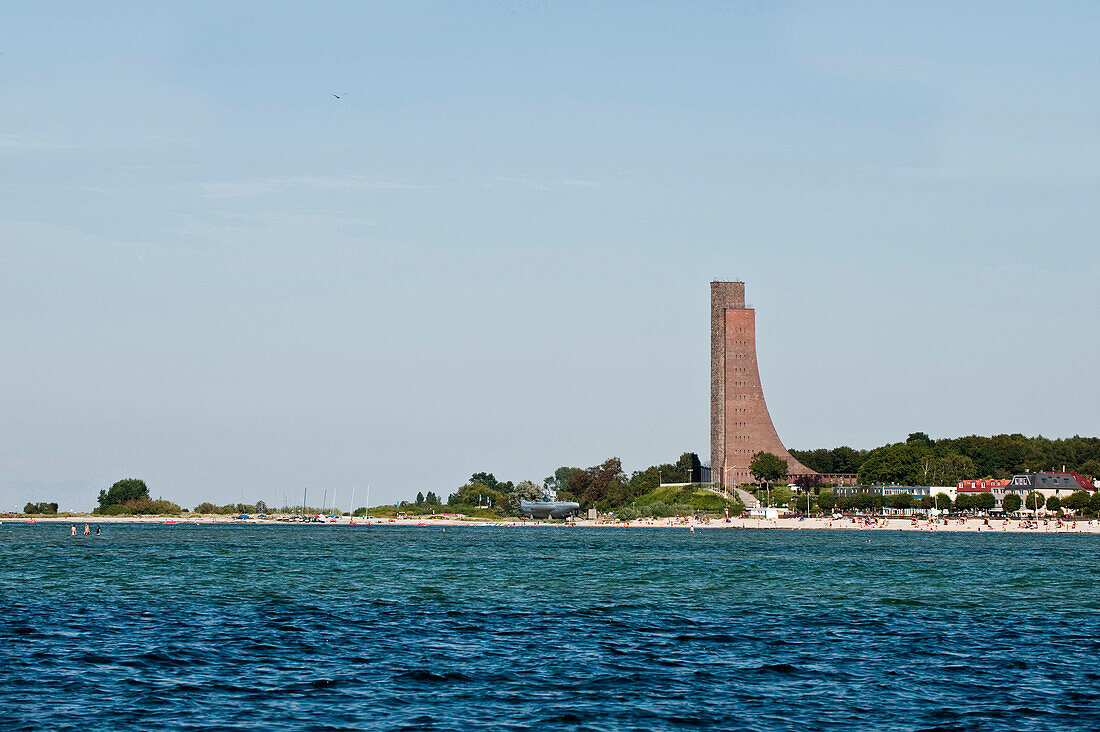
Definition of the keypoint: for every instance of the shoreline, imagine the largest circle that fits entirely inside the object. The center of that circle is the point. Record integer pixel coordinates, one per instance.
(861, 523)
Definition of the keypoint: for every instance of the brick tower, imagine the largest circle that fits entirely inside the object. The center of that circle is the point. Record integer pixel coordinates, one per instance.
(740, 425)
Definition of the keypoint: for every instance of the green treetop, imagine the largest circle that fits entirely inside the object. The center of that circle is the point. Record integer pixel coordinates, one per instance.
(128, 489)
(767, 468)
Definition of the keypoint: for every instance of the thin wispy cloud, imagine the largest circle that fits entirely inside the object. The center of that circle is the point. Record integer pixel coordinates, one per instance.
(247, 229)
(31, 142)
(538, 184)
(268, 186)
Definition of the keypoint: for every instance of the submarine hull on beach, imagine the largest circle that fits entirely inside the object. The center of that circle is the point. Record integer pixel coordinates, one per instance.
(548, 509)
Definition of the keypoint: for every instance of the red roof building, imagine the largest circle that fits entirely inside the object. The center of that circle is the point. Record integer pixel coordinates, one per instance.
(988, 485)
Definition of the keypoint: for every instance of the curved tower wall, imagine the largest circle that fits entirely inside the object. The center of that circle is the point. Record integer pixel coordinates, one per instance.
(740, 425)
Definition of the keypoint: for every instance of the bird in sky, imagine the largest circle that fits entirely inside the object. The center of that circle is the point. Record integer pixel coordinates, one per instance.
(336, 95)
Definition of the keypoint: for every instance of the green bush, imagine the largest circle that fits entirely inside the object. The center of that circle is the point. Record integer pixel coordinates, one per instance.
(207, 507)
(862, 501)
(44, 509)
(900, 501)
(660, 509)
(128, 489)
(1078, 501)
(140, 507)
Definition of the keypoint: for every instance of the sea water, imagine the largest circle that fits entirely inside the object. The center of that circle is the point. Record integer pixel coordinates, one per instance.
(152, 627)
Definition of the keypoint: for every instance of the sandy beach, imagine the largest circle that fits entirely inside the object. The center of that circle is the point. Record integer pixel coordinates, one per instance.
(847, 523)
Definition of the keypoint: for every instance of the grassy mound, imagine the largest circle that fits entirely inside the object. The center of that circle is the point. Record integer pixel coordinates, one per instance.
(699, 499)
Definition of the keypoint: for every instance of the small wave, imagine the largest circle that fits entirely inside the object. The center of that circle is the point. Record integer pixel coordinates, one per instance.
(430, 677)
(419, 723)
(715, 638)
(689, 721)
(566, 718)
(778, 668)
(94, 659)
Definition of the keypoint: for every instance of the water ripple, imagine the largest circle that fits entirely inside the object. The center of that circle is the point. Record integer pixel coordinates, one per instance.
(154, 627)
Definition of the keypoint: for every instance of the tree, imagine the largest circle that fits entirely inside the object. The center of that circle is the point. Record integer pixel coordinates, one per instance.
(528, 491)
(694, 467)
(261, 507)
(601, 484)
(918, 438)
(432, 499)
(807, 482)
(128, 489)
(901, 500)
(920, 460)
(943, 501)
(559, 481)
(525, 490)
(475, 494)
(826, 500)
(767, 468)
(486, 479)
(986, 501)
(419, 498)
(1034, 501)
(898, 463)
(1091, 468)
(1011, 502)
(950, 469)
(1079, 501)
(1094, 502)
(1054, 504)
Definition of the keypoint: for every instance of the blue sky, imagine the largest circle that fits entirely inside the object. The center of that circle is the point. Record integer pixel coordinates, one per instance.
(493, 251)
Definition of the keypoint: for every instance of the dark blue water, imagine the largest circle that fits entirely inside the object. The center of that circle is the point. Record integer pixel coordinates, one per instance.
(342, 628)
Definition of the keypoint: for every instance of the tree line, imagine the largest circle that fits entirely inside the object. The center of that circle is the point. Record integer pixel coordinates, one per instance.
(1082, 503)
(605, 487)
(921, 460)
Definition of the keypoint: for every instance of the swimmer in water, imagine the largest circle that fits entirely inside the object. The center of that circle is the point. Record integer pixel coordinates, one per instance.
(97, 531)
(72, 530)
(87, 530)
